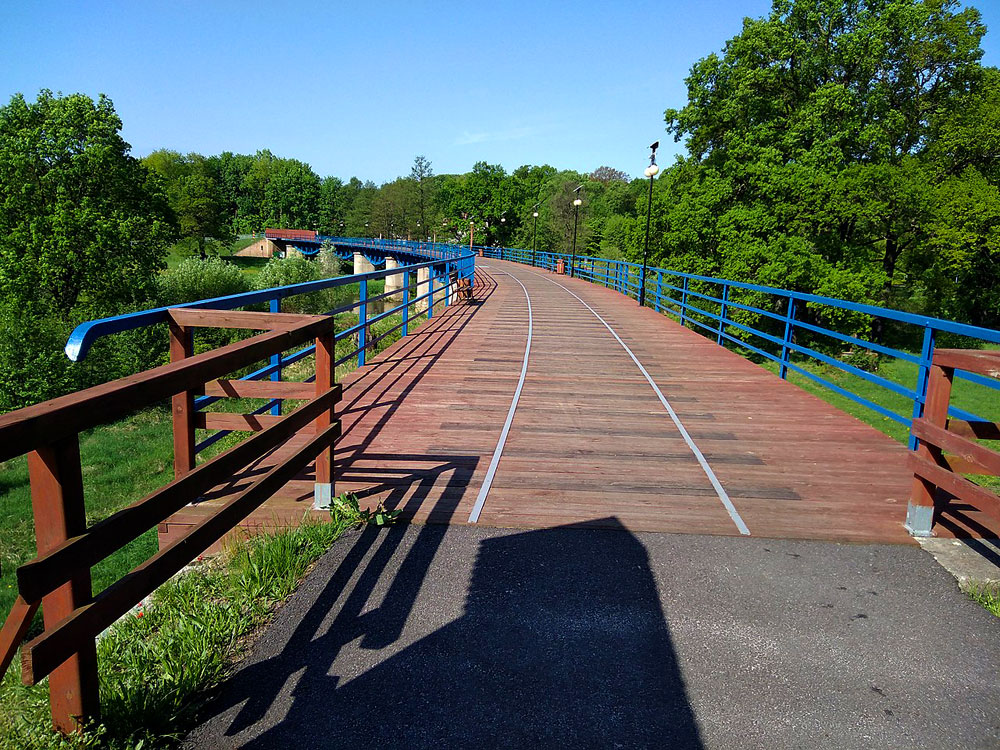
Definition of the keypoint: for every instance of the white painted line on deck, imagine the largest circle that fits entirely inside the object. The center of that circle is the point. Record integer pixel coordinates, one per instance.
(719, 489)
(488, 480)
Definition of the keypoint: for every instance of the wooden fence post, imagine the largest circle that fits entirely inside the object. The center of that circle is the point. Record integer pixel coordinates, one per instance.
(325, 357)
(920, 510)
(59, 512)
(182, 404)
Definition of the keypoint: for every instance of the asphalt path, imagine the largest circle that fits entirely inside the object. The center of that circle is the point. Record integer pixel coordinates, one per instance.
(455, 637)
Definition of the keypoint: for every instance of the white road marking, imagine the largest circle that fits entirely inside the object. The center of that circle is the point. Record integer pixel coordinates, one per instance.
(488, 481)
(719, 489)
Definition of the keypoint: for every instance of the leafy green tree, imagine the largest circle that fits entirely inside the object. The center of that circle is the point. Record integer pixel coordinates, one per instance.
(83, 224)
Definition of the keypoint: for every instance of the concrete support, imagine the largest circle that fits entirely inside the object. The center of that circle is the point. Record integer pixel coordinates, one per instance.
(361, 264)
(423, 277)
(394, 284)
(439, 289)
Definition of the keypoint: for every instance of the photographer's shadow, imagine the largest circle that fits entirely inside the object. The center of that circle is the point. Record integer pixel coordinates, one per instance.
(563, 643)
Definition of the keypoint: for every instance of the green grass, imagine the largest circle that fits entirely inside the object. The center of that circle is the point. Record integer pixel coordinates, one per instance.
(158, 663)
(986, 595)
(121, 463)
(188, 248)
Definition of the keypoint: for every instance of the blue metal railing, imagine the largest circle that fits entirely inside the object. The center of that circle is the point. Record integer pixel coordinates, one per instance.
(447, 263)
(711, 313)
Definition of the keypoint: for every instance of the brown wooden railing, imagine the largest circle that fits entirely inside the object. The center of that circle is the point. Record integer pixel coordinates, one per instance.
(948, 448)
(58, 579)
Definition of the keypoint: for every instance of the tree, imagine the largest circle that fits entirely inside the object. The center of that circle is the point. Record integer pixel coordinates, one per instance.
(83, 224)
(810, 141)
(200, 210)
(607, 175)
(422, 174)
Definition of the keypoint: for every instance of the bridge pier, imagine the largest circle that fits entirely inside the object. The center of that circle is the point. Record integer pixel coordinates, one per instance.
(362, 264)
(394, 283)
(423, 279)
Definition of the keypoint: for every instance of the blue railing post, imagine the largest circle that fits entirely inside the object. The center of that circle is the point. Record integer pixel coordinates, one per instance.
(658, 302)
(723, 311)
(684, 301)
(276, 361)
(430, 292)
(789, 327)
(923, 370)
(406, 306)
(447, 284)
(362, 321)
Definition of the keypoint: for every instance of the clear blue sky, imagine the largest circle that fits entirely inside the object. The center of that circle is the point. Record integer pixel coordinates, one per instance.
(360, 88)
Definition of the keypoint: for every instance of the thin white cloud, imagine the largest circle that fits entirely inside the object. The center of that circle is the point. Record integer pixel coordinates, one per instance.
(467, 138)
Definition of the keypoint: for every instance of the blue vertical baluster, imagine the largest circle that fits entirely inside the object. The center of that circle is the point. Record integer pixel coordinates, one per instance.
(362, 321)
(684, 301)
(430, 292)
(789, 327)
(276, 362)
(447, 283)
(723, 311)
(659, 290)
(406, 305)
(926, 357)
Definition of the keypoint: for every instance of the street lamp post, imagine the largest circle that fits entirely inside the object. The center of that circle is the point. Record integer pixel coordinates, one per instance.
(650, 172)
(534, 235)
(576, 215)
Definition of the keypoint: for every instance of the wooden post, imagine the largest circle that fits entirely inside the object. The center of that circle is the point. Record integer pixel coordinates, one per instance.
(325, 357)
(57, 504)
(920, 511)
(182, 404)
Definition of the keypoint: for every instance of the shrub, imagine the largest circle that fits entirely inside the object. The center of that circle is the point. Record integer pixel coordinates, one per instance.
(195, 279)
(295, 269)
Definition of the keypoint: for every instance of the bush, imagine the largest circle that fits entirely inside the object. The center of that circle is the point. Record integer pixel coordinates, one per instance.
(195, 279)
(296, 269)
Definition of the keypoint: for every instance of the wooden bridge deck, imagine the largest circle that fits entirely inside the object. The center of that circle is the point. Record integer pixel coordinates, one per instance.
(590, 438)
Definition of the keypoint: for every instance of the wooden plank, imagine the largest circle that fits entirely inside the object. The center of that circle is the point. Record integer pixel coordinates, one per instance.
(44, 653)
(15, 627)
(960, 487)
(81, 551)
(221, 420)
(59, 513)
(258, 389)
(984, 362)
(25, 429)
(264, 321)
(978, 455)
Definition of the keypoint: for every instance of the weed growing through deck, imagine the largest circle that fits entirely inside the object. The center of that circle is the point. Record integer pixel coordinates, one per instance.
(158, 664)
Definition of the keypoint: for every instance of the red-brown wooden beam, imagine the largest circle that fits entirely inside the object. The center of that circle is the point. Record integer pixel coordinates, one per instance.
(920, 511)
(59, 513)
(182, 404)
(325, 371)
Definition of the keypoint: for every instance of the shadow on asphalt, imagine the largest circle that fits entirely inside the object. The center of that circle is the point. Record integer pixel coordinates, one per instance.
(563, 642)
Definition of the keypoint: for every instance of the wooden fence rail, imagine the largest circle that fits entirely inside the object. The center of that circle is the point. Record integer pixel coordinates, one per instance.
(58, 579)
(948, 447)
